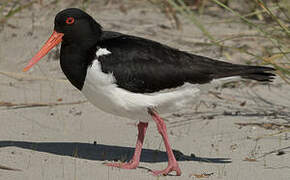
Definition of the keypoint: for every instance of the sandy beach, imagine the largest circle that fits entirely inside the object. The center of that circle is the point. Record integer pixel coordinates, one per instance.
(50, 132)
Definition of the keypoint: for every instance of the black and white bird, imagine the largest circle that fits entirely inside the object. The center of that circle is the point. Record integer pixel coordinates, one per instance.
(136, 78)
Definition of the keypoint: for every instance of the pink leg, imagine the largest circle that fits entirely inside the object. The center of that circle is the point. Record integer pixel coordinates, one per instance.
(134, 162)
(172, 163)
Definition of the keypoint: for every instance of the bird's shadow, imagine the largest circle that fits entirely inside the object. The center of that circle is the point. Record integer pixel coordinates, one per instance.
(103, 152)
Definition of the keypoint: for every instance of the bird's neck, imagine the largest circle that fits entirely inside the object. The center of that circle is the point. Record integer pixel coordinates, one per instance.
(74, 61)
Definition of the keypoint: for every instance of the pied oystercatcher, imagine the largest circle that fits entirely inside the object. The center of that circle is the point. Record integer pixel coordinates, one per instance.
(133, 77)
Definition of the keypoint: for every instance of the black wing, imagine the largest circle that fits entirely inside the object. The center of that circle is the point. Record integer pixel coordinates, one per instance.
(144, 66)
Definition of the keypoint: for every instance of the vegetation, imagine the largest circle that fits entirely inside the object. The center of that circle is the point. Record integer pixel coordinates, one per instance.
(269, 18)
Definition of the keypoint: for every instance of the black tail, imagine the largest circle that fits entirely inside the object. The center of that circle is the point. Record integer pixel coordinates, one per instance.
(258, 73)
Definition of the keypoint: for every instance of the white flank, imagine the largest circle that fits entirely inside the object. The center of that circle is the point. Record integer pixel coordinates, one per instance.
(100, 89)
(102, 51)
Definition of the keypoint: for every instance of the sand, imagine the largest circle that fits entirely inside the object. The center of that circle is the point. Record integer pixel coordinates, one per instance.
(49, 131)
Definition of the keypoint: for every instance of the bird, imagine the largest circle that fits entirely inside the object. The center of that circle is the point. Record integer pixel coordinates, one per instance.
(134, 77)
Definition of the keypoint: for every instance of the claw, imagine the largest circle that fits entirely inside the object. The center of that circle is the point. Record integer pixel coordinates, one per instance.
(129, 165)
(170, 168)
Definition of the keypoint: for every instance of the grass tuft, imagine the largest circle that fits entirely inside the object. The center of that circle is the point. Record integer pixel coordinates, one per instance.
(272, 25)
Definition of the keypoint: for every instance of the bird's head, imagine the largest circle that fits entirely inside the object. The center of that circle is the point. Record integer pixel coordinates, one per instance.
(70, 26)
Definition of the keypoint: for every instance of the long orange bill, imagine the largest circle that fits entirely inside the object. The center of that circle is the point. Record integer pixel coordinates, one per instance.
(54, 40)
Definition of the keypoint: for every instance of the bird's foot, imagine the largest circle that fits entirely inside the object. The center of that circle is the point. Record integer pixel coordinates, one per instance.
(171, 167)
(129, 165)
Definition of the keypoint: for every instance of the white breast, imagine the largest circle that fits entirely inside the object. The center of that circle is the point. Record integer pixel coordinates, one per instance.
(100, 89)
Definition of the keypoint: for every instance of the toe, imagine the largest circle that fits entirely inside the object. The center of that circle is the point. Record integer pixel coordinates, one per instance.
(130, 165)
(167, 171)
(113, 164)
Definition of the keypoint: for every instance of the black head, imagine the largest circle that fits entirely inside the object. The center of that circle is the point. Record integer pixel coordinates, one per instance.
(72, 26)
(77, 26)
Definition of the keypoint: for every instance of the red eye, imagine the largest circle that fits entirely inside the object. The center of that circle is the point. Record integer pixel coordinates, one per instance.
(70, 20)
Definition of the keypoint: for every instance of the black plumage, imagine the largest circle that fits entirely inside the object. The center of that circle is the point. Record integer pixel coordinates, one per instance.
(144, 66)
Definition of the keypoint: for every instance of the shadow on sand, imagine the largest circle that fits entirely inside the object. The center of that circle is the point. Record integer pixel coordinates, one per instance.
(102, 152)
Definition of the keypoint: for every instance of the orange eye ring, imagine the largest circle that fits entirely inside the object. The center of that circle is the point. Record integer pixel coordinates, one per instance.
(69, 20)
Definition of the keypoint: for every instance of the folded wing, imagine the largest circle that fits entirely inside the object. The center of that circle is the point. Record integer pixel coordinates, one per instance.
(145, 66)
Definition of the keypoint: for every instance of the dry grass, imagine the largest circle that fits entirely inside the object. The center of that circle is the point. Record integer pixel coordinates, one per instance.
(269, 20)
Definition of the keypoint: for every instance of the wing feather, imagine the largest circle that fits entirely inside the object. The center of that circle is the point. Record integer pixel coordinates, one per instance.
(144, 66)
